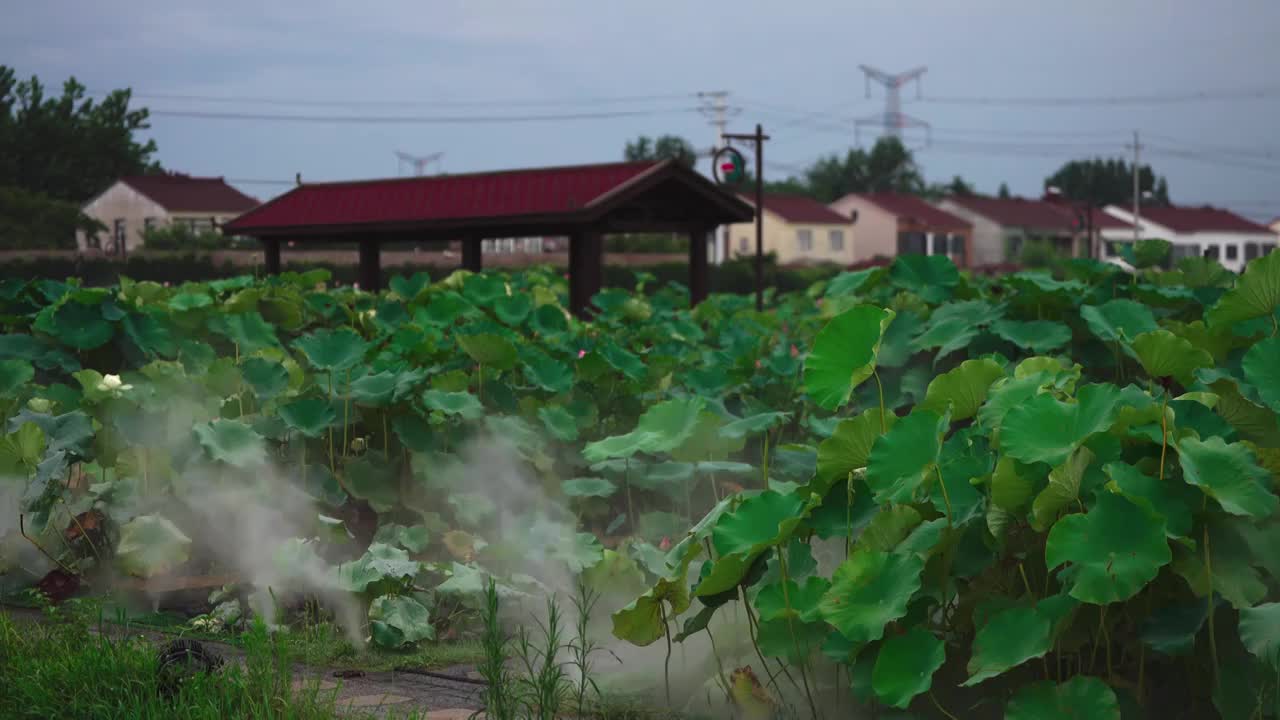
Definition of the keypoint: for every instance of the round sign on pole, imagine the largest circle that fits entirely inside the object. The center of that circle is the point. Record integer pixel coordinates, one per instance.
(728, 166)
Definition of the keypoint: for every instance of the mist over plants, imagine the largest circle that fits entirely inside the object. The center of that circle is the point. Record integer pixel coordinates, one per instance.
(907, 487)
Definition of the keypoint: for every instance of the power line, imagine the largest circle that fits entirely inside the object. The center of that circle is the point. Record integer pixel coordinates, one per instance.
(415, 120)
(1258, 93)
(356, 102)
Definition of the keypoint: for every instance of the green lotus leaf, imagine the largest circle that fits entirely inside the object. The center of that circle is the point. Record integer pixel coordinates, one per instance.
(963, 390)
(905, 666)
(513, 309)
(489, 350)
(757, 524)
(706, 443)
(371, 477)
(757, 423)
(790, 639)
(1045, 429)
(379, 562)
(247, 330)
(1118, 320)
(1171, 500)
(588, 487)
(149, 334)
(1235, 578)
(668, 424)
(1115, 549)
(413, 538)
(848, 448)
(643, 622)
(484, 289)
(1262, 370)
(151, 545)
(77, 325)
(618, 446)
(398, 620)
(267, 378)
(932, 277)
(667, 477)
(21, 451)
(185, 301)
(904, 458)
(462, 404)
(1172, 630)
(1229, 474)
(848, 283)
(381, 389)
(1005, 395)
(1163, 354)
(1063, 489)
(799, 601)
(1256, 293)
(1260, 633)
(622, 360)
(1079, 697)
(547, 373)
(844, 354)
(231, 442)
(559, 422)
(71, 431)
(614, 573)
(332, 350)
(890, 526)
(14, 373)
(414, 432)
(1038, 336)
(1008, 639)
(897, 346)
(870, 590)
(1012, 485)
(309, 416)
(408, 288)
(946, 336)
(444, 308)
(549, 320)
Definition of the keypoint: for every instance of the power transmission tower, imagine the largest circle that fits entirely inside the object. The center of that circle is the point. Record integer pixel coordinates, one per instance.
(417, 162)
(1137, 190)
(893, 120)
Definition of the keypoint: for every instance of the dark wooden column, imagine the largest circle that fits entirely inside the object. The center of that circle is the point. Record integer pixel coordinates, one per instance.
(472, 250)
(370, 266)
(699, 271)
(586, 268)
(271, 255)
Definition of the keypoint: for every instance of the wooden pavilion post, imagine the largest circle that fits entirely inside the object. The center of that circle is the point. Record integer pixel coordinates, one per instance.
(370, 266)
(472, 254)
(586, 264)
(271, 255)
(699, 271)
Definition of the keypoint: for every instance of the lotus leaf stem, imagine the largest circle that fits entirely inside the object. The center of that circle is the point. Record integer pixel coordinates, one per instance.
(939, 706)
(1213, 636)
(791, 628)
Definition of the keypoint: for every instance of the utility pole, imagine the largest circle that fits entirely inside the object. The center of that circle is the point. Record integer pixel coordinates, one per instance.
(1137, 191)
(715, 107)
(893, 120)
(758, 138)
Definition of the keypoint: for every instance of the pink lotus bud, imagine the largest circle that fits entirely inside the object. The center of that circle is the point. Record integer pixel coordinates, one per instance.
(665, 545)
(582, 354)
(757, 363)
(795, 352)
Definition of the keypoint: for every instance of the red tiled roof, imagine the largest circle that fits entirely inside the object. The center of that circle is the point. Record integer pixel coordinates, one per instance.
(505, 194)
(1035, 214)
(798, 209)
(1200, 219)
(183, 193)
(912, 207)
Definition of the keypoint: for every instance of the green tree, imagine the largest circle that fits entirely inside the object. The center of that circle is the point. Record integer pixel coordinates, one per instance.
(1108, 181)
(68, 147)
(34, 221)
(1003, 193)
(888, 167)
(665, 147)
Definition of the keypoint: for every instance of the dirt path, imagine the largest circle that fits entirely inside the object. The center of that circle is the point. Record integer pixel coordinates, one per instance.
(383, 694)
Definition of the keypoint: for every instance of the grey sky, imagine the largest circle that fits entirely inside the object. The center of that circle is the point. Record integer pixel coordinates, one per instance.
(780, 60)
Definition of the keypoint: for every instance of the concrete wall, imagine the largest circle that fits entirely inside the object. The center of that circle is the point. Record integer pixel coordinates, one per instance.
(876, 230)
(782, 238)
(120, 202)
(989, 239)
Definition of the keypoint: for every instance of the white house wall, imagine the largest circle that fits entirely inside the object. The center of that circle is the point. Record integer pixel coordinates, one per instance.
(1202, 241)
(121, 201)
(875, 232)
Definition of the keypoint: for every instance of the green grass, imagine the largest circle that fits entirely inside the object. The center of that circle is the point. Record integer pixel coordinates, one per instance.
(325, 645)
(60, 668)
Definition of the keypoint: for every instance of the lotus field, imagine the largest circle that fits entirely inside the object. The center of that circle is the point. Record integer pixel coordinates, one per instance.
(1030, 496)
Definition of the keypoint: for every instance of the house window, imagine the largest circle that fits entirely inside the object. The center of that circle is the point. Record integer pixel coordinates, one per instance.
(957, 246)
(742, 245)
(912, 243)
(939, 244)
(1250, 251)
(1212, 252)
(1233, 252)
(117, 234)
(837, 240)
(805, 239)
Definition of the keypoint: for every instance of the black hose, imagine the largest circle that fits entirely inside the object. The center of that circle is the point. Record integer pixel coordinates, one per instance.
(441, 676)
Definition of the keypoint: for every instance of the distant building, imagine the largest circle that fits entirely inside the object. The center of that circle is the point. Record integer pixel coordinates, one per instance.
(1275, 226)
(1197, 231)
(889, 224)
(797, 229)
(137, 202)
(1003, 226)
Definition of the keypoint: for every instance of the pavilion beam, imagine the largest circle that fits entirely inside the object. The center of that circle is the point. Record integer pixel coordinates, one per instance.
(472, 254)
(586, 270)
(271, 255)
(370, 266)
(699, 270)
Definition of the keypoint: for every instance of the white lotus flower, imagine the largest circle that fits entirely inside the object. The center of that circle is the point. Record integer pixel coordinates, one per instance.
(113, 384)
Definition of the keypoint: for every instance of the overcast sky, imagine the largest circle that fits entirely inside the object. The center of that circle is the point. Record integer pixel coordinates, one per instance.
(792, 66)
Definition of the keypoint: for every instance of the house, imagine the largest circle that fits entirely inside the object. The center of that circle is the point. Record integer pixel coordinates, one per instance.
(889, 224)
(1002, 226)
(1275, 226)
(797, 229)
(1197, 231)
(137, 202)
